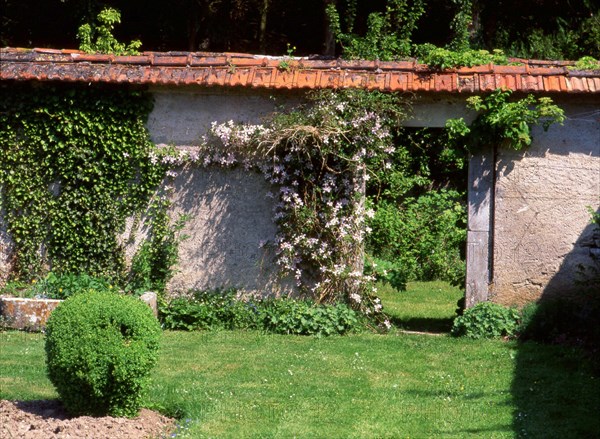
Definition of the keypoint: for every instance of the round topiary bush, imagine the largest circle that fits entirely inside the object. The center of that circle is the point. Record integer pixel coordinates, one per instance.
(100, 349)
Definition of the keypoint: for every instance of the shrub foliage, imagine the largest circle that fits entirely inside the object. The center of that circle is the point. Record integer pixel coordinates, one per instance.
(486, 320)
(100, 348)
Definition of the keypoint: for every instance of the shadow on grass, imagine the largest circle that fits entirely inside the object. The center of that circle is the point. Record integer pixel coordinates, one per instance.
(556, 383)
(555, 393)
(423, 324)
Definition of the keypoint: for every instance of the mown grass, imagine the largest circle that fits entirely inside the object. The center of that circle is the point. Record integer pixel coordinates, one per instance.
(424, 306)
(251, 384)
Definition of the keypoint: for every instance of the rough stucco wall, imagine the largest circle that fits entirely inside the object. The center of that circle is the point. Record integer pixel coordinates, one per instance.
(181, 116)
(541, 224)
(5, 251)
(229, 217)
(229, 211)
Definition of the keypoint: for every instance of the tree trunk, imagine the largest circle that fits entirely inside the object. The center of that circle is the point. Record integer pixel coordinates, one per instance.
(263, 27)
(475, 31)
(329, 37)
(193, 25)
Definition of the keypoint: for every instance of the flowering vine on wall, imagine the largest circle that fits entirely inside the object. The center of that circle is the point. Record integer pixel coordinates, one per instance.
(318, 158)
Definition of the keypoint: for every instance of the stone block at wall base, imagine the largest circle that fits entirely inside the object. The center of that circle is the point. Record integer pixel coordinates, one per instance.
(151, 300)
(26, 314)
(32, 314)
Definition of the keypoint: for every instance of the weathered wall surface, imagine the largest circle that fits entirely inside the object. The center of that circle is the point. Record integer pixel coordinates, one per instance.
(229, 211)
(230, 216)
(181, 116)
(5, 251)
(541, 223)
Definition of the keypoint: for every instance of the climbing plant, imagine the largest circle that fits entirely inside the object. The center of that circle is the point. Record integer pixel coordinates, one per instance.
(153, 265)
(74, 164)
(504, 121)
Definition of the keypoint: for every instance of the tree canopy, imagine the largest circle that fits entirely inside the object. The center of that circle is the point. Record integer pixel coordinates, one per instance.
(546, 29)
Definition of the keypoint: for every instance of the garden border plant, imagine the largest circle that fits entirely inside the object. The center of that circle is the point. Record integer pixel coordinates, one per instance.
(222, 309)
(487, 320)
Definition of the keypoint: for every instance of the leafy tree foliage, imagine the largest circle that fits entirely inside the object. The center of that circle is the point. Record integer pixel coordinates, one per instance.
(105, 42)
(534, 29)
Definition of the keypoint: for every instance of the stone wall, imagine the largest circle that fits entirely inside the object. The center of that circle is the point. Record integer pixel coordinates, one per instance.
(541, 224)
(230, 213)
(26, 314)
(526, 236)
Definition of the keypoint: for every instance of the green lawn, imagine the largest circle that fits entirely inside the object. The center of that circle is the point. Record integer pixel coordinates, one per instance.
(424, 306)
(250, 384)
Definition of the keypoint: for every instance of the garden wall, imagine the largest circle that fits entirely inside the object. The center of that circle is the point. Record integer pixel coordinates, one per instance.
(541, 222)
(528, 227)
(229, 211)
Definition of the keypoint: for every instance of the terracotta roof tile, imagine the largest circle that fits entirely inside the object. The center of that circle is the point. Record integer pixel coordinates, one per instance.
(258, 71)
(552, 83)
(137, 59)
(401, 81)
(532, 83)
(578, 84)
(377, 81)
(468, 83)
(593, 84)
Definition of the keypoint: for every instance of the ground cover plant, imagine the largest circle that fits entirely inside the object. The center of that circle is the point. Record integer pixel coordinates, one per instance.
(487, 320)
(222, 309)
(255, 384)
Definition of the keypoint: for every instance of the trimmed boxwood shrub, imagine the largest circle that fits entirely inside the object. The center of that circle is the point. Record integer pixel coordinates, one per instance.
(100, 349)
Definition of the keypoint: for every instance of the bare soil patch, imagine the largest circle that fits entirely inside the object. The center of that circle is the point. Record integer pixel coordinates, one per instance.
(47, 419)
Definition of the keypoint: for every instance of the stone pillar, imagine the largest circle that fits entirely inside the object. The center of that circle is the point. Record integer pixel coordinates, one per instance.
(479, 226)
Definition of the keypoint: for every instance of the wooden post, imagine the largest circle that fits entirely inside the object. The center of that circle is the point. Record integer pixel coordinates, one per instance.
(480, 227)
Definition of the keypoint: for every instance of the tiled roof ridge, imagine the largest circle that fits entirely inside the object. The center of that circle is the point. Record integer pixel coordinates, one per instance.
(262, 71)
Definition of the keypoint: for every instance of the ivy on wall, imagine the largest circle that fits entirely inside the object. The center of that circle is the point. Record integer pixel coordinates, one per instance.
(74, 164)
